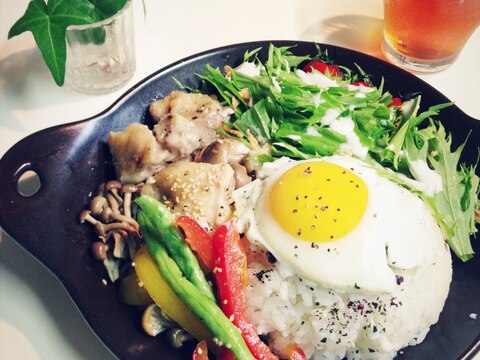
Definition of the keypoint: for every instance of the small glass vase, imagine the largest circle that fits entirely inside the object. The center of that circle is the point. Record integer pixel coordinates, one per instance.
(101, 56)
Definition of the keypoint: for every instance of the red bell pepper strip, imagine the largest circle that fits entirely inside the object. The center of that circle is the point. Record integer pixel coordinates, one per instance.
(197, 238)
(201, 351)
(230, 271)
(295, 353)
(226, 354)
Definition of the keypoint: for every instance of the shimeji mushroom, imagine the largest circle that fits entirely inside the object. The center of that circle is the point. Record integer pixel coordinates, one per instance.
(104, 230)
(117, 216)
(111, 216)
(216, 153)
(128, 190)
(98, 204)
(177, 337)
(114, 186)
(155, 321)
(99, 250)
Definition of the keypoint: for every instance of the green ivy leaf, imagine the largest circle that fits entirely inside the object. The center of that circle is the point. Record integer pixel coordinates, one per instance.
(48, 23)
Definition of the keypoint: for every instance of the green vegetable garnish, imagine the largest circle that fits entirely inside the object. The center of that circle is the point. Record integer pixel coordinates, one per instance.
(286, 113)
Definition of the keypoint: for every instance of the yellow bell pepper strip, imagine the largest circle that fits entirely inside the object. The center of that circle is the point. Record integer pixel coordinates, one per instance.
(131, 292)
(165, 297)
(165, 231)
(225, 333)
(229, 271)
(199, 240)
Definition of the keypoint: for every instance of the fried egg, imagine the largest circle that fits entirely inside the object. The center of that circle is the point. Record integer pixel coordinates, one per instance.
(335, 221)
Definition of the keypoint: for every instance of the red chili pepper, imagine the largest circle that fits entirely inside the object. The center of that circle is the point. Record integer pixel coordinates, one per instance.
(201, 351)
(295, 353)
(197, 238)
(323, 67)
(396, 102)
(230, 271)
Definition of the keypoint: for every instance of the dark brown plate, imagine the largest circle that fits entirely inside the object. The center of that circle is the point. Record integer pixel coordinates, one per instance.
(73, 159)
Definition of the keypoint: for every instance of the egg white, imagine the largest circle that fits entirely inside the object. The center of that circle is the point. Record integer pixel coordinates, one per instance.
(396, 231)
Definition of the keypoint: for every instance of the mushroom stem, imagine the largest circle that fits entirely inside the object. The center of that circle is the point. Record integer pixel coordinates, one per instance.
(154, 322)
(113, 186)
(85, 216)
(112, 201)
(117, 216)
(104, 229)
(130, 221)
(126, 204)
(128, 190)
(119, 243)
(177, 337)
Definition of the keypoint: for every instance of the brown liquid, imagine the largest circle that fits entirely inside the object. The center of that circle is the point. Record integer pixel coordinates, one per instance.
(430, 29)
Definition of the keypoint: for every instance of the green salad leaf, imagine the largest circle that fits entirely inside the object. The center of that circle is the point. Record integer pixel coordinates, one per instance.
(279, 109)
(459, 197)
(48, 23)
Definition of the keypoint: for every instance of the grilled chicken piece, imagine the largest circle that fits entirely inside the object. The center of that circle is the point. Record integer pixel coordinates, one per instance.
(186, 122)
(199, 190)
(136, 153)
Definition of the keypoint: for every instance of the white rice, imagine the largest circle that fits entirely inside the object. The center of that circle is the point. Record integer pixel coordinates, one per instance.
(331, 325)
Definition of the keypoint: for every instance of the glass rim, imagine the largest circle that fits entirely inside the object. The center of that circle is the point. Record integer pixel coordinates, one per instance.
(103, 22)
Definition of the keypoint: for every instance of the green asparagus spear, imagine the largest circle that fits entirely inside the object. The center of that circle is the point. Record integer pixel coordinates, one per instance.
(207, 310)
(166, 231)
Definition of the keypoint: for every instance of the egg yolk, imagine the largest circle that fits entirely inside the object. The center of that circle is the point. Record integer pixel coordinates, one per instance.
(318, 201)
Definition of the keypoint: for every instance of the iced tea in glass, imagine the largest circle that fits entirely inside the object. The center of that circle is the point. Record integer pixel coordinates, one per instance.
(428, 35)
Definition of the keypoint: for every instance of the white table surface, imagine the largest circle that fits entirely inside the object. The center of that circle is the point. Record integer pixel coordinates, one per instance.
(38, 320)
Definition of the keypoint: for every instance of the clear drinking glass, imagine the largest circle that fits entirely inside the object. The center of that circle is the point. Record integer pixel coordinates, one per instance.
(101, 56)
(427, 35)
